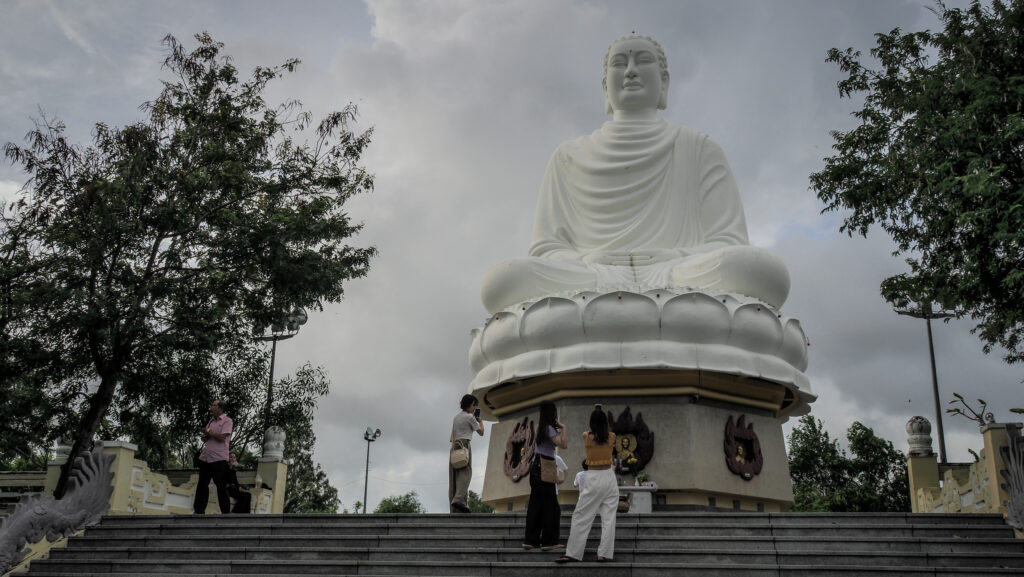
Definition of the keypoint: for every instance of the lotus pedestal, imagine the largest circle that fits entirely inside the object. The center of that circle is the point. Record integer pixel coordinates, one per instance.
(698, 385)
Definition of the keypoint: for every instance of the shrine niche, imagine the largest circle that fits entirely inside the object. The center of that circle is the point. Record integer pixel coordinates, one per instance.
(742, 448)
(632, 439)
(519, 450)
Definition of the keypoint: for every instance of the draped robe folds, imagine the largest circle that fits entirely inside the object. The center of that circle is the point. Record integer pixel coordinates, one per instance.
(629, 187)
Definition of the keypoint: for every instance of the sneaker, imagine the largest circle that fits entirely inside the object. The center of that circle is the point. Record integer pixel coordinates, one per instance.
(555, 547)
(528, 547)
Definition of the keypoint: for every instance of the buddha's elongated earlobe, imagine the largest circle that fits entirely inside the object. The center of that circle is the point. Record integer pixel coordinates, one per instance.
(607, 102)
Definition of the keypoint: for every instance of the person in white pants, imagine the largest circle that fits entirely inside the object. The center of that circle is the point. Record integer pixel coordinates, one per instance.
(599, 495)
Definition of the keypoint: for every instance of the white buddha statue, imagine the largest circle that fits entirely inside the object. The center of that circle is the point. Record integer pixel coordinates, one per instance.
(641, 203)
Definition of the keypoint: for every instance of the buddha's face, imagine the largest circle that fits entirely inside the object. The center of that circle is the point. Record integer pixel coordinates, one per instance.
(633, 78)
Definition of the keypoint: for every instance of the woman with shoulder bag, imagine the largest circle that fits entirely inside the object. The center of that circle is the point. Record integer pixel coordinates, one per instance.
(600, 494)
(460, 459)
(543, 514)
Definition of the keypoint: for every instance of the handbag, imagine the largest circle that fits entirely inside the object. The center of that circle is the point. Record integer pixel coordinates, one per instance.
(548, 470)
(460, 455)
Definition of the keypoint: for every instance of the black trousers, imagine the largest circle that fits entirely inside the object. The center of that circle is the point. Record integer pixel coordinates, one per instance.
(243, 499)
(218, 472)
(543, 514)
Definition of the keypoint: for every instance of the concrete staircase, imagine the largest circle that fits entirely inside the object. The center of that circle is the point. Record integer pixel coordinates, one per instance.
(658, 544)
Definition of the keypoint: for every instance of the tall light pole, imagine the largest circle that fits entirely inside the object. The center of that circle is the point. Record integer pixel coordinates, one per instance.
(370, 435)
(284, 328)
(924, 311)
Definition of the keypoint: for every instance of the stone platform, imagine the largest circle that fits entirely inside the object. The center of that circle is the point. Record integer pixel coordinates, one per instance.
(688, 457)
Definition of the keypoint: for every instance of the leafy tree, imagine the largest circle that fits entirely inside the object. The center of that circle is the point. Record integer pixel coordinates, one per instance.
(817, 466)
(826, 479)
(407, 503)
(143, 256)
(879, 471)
(936, 162)
(28, 416)
(476, 505)
(308, 490)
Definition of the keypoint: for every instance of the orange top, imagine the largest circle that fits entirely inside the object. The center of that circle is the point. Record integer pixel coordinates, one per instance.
(598, 455)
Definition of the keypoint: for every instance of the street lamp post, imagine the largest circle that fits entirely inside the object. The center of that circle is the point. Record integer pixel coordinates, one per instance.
(370, 435)
(924, 311)
(285, 328)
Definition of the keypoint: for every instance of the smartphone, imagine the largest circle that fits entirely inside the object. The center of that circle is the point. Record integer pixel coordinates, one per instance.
(476, 413)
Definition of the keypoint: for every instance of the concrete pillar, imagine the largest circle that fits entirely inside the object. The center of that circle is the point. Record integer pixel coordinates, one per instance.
(124, 460)
(53, 466)
(272, 469)
(922, 466)
(275, 474)
(994, 436)
(922, 473)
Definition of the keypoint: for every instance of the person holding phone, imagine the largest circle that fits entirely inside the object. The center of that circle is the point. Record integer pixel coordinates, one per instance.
(465, 423)
(543, 514)
(213, 461)
(599, 495)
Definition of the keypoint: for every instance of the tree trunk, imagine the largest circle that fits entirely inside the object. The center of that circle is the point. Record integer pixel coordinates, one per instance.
(98, 405)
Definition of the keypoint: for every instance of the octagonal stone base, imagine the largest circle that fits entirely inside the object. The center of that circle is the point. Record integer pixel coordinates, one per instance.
(688, 422)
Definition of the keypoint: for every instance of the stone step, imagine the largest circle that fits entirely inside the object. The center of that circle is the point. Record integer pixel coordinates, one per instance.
(606, 570)
(846, 543)
(507, 519)
(493, 569)
(662, 544)
(730, 556)
(259, 528)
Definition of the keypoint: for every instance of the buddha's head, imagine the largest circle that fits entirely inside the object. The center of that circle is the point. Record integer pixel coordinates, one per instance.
(635, 75)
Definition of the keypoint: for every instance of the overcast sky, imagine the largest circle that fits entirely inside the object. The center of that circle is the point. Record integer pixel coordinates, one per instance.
(468, 99)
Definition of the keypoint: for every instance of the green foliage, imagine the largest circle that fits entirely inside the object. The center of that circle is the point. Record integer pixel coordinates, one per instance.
(476, 505)
(826, 479)
(30, 417)
(407, 503)
(140, 261)
(936, 162)
(25, 463)
(308, 490)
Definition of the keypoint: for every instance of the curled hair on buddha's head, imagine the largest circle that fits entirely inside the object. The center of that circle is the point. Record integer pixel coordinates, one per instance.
(467, 401)
(662, 64)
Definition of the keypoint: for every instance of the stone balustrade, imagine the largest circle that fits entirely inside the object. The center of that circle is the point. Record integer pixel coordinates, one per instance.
(958, 487)
(135, 490)
(138, 490)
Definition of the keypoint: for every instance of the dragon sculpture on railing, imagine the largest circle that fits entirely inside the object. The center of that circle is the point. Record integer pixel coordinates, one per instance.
(36, 516)
(1013, 458)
